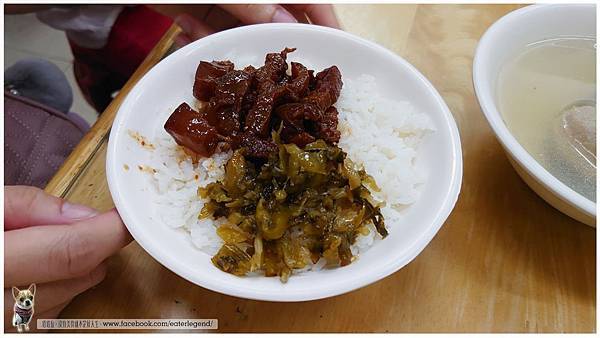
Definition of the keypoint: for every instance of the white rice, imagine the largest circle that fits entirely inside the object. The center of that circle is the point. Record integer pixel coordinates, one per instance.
(382, 136)
(176, 181)
(378, 134)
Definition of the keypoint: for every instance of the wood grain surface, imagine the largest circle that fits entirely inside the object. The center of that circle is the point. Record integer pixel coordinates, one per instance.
(504, 261)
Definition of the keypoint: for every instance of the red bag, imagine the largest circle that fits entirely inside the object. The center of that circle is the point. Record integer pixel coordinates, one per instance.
(100, 72)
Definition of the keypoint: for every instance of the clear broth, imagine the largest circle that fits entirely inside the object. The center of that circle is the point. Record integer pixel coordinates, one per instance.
(547, 98)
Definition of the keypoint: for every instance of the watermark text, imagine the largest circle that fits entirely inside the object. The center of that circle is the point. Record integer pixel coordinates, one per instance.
(127, 324)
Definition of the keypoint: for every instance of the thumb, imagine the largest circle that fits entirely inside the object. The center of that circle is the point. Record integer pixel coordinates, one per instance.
(29, 206)
(192, 29)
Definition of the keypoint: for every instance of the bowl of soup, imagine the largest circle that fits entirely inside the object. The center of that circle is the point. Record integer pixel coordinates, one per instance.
(534, 75)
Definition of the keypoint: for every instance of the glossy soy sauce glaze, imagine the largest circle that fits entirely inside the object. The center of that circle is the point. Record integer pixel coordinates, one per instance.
(242, 107)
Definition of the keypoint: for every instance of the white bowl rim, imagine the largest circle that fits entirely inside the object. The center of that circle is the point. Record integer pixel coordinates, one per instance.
(502, 132)
(163, 258)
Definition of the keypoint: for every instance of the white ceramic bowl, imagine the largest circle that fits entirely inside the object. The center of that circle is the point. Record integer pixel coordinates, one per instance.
(504, 40)
(169, 83)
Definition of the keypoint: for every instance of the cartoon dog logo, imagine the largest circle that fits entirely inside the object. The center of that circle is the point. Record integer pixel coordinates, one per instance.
(24, 301)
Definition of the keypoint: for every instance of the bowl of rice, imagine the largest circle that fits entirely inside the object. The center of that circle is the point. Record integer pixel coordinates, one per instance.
(393, 124)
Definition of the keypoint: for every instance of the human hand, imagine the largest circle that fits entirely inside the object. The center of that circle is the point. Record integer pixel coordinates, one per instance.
(58, 245)
(202, 20)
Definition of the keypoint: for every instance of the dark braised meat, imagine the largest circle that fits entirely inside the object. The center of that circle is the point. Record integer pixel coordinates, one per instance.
(224, 107)
(297, 88)
(270, 88)
(255, 146)
(190, 129)
(243, 107)
(206, 76)
(298, 120)
(326, 129)
(328, 86)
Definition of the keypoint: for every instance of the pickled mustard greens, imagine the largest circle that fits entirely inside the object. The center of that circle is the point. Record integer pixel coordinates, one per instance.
(301, 205)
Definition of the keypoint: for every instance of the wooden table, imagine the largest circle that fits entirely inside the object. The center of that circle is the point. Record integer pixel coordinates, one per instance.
(504, 261)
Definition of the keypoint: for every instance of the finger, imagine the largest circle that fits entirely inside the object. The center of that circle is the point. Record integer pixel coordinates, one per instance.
(192, 28)
(255, 13)
(318, 14)
(172, 11)
(48, 295)
(299, 15)
(49, 253)
(49, 314)
(29, 206)
(219, 19)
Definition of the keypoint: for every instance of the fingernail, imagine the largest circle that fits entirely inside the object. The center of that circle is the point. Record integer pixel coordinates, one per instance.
(77, 211)
(283, 16)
